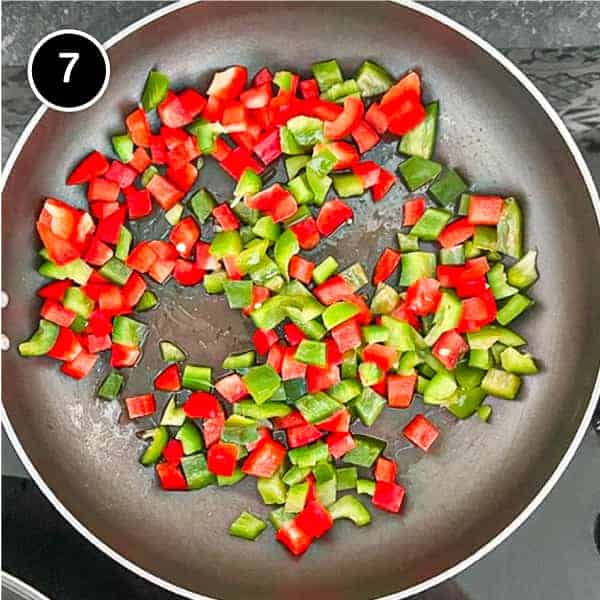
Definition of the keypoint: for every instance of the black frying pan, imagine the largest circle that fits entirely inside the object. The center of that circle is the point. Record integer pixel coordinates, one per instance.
(481, 481)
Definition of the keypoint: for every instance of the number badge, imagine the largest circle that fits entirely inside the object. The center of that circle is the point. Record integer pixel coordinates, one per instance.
(68, 70)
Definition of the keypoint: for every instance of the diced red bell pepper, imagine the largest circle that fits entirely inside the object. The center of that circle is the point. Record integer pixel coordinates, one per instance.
(142, 257)
(485, 210)
(110, 299)
(101, 210)
(334, 356)
(193, 102)
(221, 150)
(184, 236)
(214, 109)
(164, 192)
(263, 339)
(309, 88)
(140, 161)
(158, 150)
(234, 118)
(268, 147)
(413, 211)
(421, 432)
(456, 233)
(339, 444)
(326, 111)
(228, 84)
(294, 538)
(173, 452)
(262, 76)
(232, 388)
(410, 83)
(383, 186)
(449, 348)
(102, 190)
(258, 96)
(263, 433)
(138, 202)
(385, 470)
(345, 153)
(93, 165)
(263, 117)
(237, 161)
(449, 276)
(368, 172)
(168, 380)
(259, 295)
(307, 233)
(333, 214)
(109, 229)
(423, 296)
(274, 201)
(348, 120)
(476, 286)
(275, 356)
(122, 175)
(60, 218)
(315, 519)
(388, 262)
(60, 251)
(212, 429)
(97, 343)
(222, 458)
(302, 435)
(321, 378)
(290, 367)
(408, 112)
(172, 111)
(333, 290)
(293, 334)
(388, 496)
(163, 266)
(381, 386)
(98, 253)
(173, 136)
(347, 335)
(99, 323)
(301, 269)
(124, 356)
(202, 405)
(365, 136)
(170, 477)
(225, 217)
(66, 347)
(140, 406)
(231, 267)
(244, 139)
(184, 177)
(138, 127)
(53, 311)
(364, 316)
(294, 419)
(377, 118)
(400, 390)
(385, 357)
(338, 422)
(187, 272)
(265, 459)
(204, 259)
(55, 290)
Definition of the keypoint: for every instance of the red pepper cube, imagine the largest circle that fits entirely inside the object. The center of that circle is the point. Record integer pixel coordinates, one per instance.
(338, 422)
(264, 433)
(256, 97)
(138, 127)
(225, 217)
(333, 214)
(228, 84)
(183, 177)
(301, 269)
(204, 259)
(140, 406)
(449, 348)
(294, 419)
(385, 357)
(55, 312)
(400, 390)
(97, 343)
(237, 161)
(140, 161)
(290, 367)
(139, 203)
(275, 201)
(334, 356)
(184, 236)
(102, 190)
(170, 477)
(315, 519)
(212, 429)
(388, 496)
(235, 118)
(172, 111)
(321, 378)
(294, 538)
(276, 355)
(485, 210)
(326, 111)
(93, 165)
(263, 76)
(265, 459)
(377, 118)
(55, 290)
(222, 458)
(133, 290)
(168, 380)
(98, 253)
(456, 233)
(164, 192)
(385, 470)
(413, 211)
(302, 435)
(263, 339)
(80, 366)
(158, 150)
(173, 452)
(368, 173)
(187, 272)
(308, 236)
(141, 258)
(99, 323)
(66, 347)
(122, 175)
(202, 405)
(388, 262)
(109, 228)
(365, 136)
(309, 88)
(232, 268)
(193, 102)
(384, 184)
(423, 296)
(421, 432)
(110, 299)
(347, 335)
(232, 388)
(347, 120)
(333, 290)
(124, 356)
(293, 334)
(339, 444)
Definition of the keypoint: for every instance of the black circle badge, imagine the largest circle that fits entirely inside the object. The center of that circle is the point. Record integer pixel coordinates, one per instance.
(68, 70)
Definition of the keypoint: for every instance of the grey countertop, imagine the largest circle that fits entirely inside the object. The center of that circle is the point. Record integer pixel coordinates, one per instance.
(569, 74)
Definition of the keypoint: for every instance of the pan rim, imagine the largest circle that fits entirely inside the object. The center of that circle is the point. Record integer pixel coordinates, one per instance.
(536, 501)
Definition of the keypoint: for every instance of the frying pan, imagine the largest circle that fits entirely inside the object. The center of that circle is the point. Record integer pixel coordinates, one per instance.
(482, 480)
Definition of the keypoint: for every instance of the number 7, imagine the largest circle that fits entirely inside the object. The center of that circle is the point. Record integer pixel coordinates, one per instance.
(73, 58)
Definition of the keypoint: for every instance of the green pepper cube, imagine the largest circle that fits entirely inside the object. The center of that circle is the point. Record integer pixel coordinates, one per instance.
(355, 276)
(515, 362)
(524, 273)
(510, 229)
(447, 316)
(190, 437)
(203, 203)
(480, 358)
(485, 238)
(238, 293)
(148, 174)
(295, 388)
(158, 436)
(515, 306)
(278, 518)
(123, 147)
(170, 352)
(78, 301)
(501, 384)
(115, 271)
(345, 390)
(324, 270)
(347, 185)
(195, 377)
(262, 382)
(249, 183)
(127, 332)
(349, 507)
(465, 403)
(416, 265)
(296, 497)
(453, 256)
(327, 73)
(155, 90)
(407, 242)
(338, 313)
(417, 171)
(309, 456)
(285, 248)
(496, 277)
(214, 282)
(229, 480)
(240, 430)
(267, 229)
(322, 162)
(77, 270)
(420, 141)
(267, 410)
(338, 91)
(288, 142)
(312, 353)
(369, 405)
(242, 360)
(366, 451)
(319, 184)
(307, 131)
(123, 243)
(317, 407)
(401, 334)
(295, 475)
(375, 334)
(369, 373)
(346, 478)
(326, 492)
(294, 164)
(111, 386)
(440, 388)
(147, 302)
(372, 79)
(484, 412)
(365, 486)
(431, 224)
(447, 187)
(385, 299)
(300, 189)
(272, 490)
(196, 472)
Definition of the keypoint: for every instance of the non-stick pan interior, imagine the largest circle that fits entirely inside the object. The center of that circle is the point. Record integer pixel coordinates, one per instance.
(478, 478)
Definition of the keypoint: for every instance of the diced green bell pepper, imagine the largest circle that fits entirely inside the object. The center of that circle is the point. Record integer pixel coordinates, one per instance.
(415, 265)
(349, 507)
(515, 362)
(431, 224)
(501, 384)
(468, 377)
(372, 79)
(510, 229)
(76, 270)
(155, 90)
(440, 388)
(347, 185)
(170, 352)
(327, 73)
(311, 352)
(487, 336)
(288, 142)
(238, 293)
(240, 430)
(267, 410)
(278, 518)
(285, 248)
(78, 301)
(295, 475)
(115, 271)
(484, 412)
(127, 331)
(272, 490)
(369, 373)
(241, 360)
(196, 472)
(420, 141)
(203, 203)
(447, 316)
(229, 480)
(496, 277)
(249, 183)
(172, 415)
(123, 147)
(213, 282)
(349, 365)
(384, 300)
(300, 189)
(296, 497)
(366, 451)
(173, 215)
(524, 273)
(417, 171)
(190, 437)
(294, 164)
(111, 386)
(447, 188)
(355, 276)
(401, 334)
(307, 131)
(324, 270)
(262, 382)
(365, 486)
(466, 402)
(326, 492)
(322, 162)
(195, 377)
(309, 456)
(339, 91)
(345, 390)
(453, 256)
(375, 334)
(338, 313)
(513, 308)
(158, 436)
(317, 407)
(319, 184)
(147, 302)
(485, 238)
(369, 405)
(148, 174)
(407, 242)
(346, 478)
(226, 243)
(123, 243)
